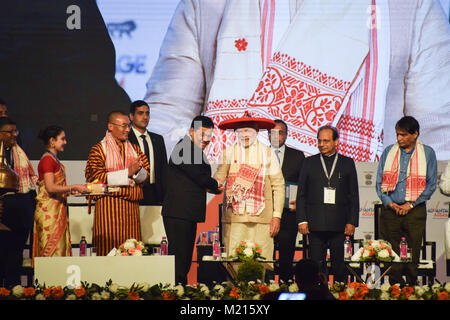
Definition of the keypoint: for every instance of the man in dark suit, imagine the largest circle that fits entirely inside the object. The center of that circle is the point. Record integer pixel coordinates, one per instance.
(328, 202)
(152, 145)
(291, 161)
(188, 180)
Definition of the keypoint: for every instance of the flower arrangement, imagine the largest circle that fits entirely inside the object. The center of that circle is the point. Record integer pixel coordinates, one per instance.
(132, 247)
(230, 290)
(247, 250)
(375, 250)
(359, 291)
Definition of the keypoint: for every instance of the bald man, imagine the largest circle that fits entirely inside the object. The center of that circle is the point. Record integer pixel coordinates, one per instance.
(118, 163)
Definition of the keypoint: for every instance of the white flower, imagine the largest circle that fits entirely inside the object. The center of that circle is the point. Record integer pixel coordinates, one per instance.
(419, 291)
(350, 291)
(273, 287)
(105, 295)
(137, 253)
(128, 244)
(219, 289)
(250, 244)
(17, 291)
(180, 290)
(145, 286)
(204, 289)
(248, 252)
(383, 253)
(113, 288)
(366, 253)
(40, 296)
(436, 288)
(447, 287)
(96, 296)
(71, 297)
(385, 295)
(293, 287)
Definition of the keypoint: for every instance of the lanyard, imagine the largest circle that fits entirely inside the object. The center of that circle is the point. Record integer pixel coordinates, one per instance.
(57, 160)
(332, 168)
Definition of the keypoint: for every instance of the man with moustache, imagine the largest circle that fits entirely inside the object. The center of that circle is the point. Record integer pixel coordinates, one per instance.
(188, 180)
(406, 179)
(152, 145)
(328, 202)
(254, 187)
(117, 162)
(291, 161)
(18, 208)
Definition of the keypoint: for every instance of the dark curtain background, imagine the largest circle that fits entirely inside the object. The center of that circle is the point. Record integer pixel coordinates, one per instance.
(50, 74)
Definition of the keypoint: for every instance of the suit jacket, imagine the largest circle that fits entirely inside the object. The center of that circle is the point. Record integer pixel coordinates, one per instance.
(292, 163)
(310, 197)
(159, 165)
(188, 178)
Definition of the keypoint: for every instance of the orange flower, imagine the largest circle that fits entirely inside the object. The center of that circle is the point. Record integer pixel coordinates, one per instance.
(4, 292)
(167, 296)
(443, 295)
(235, 292)
(133, 295)
(263, 289)
(395, 291)
(358, 295)
(27, 292)
(343, 295)
(79, 292)
(57, 292)
(407, 291)
(47, 292)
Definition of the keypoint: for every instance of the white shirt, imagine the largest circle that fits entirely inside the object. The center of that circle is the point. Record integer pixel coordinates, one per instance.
(150, 150)
(280, 155)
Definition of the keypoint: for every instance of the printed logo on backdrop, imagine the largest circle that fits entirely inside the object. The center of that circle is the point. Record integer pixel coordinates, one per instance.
(366, 211)
(437, 211)
(118, 29)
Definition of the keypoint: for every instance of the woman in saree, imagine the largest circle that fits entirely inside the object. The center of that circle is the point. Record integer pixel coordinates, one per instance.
(51, 224)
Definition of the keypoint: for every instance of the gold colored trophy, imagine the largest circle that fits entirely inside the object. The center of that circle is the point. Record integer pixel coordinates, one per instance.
(9, 183)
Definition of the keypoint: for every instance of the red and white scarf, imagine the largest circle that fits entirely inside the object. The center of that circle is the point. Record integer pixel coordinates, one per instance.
(325, 71)
(245, 181)
(415, 176)
(114, 161)
(23, 167)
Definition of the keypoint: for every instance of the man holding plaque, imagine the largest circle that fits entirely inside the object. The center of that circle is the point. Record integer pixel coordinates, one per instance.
(328, 202)
(291, 161)
(121, 165)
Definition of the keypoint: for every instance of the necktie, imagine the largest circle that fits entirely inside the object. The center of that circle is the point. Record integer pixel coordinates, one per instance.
(277, 153)
(146, 149)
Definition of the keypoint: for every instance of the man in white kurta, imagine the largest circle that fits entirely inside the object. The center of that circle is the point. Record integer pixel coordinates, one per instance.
(391, 58)
(255, 213)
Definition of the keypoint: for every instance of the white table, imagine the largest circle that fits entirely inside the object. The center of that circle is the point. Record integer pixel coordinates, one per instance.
(124, 271)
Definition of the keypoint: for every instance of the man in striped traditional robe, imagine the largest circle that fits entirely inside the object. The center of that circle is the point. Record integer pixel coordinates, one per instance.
(120, 164)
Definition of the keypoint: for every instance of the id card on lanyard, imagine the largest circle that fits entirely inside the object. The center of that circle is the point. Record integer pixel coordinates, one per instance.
(329, 193)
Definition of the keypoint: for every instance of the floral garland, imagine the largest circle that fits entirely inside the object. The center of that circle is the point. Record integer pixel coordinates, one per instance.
(225, 291)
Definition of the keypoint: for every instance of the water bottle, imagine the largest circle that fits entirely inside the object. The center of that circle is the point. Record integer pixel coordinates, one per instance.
(216, 246)
(83, 246)
(348, 252)
(403, 249)
(164, 246)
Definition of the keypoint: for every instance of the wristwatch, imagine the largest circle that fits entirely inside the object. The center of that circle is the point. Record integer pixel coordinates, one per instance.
(411, 205)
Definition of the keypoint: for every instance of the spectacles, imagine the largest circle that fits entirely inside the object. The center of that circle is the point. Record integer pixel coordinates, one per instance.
(11, 131)
(123, 126)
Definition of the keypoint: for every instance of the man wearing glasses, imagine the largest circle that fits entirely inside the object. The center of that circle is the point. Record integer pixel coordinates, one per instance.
(18, 208)
(121, 165)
